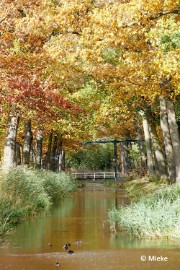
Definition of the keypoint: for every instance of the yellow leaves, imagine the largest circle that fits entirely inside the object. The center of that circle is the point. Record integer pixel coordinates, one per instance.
(151, 8)
(169, 63)
(118, 43)
(128, 13)
(164, 26)
(16, 46)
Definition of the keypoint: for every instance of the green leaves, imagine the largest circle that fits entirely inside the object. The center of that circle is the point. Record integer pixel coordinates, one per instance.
(24, 192)
(91, 158)
(16, 46)
(169, 42)
(111, 56)
(123, 47)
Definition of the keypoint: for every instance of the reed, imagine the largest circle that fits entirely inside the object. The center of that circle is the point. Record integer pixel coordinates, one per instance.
(25, 192)
(156, 215)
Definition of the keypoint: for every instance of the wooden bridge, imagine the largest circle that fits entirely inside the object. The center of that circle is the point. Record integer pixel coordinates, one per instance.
(94, 176)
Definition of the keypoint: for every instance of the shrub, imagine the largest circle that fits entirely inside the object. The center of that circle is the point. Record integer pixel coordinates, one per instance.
(24, 189)
(24, 192)
(154, 216)
(57, 185)
(9, 215)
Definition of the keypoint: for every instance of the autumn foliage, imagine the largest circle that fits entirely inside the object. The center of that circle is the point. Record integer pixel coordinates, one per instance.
(121, 55)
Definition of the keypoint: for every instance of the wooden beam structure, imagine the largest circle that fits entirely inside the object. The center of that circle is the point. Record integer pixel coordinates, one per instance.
(115, 141)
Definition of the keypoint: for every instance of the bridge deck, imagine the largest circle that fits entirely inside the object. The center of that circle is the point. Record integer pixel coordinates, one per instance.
(94, 175)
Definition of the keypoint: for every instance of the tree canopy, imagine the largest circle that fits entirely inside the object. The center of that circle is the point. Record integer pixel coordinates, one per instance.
(87, 67)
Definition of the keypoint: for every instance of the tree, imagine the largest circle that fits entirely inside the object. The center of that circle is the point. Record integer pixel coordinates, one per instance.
(112, 58)
(174, 137)
(39, 140)
(28, 137)
(167, 140)
(10, 142)
(146, 127)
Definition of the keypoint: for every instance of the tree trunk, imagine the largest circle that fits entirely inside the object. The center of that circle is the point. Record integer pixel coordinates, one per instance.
(173, 127)
(39, 139)
(167, 139)
(32, 160)
(125, 164)
(148, 143)
(27, 142)
(141, 147)
(158, 152)
(54, 159)
(130, 158)
(10, 140)
(61, 154)
(178, 123)
(49, 150)
(61, 161)
(18, 153)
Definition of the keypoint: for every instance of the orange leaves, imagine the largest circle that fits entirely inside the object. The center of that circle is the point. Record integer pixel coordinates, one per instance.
(37, 96)
(120, 44)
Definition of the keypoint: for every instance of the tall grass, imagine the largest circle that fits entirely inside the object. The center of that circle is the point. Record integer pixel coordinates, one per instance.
(138, 187)
(24, 192)
(154, 216)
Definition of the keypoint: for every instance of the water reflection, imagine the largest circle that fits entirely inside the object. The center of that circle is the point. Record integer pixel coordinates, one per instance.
(82, 216)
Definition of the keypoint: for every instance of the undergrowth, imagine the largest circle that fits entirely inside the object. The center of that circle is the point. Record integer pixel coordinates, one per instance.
(25, 192)
(155, 215)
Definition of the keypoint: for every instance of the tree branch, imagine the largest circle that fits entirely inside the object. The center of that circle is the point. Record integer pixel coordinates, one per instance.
(153, 17)
(130, 24)
(3, 19)
(156, 16)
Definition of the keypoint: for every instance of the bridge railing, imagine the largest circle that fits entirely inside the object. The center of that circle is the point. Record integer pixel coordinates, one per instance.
(94, 175)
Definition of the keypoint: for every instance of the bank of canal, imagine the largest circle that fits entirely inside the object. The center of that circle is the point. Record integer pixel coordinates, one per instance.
(38, 244)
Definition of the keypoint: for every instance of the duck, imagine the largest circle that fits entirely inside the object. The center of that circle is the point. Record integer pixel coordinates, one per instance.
(66, 246)
(70, 251)
(78, 242)
(57, 264)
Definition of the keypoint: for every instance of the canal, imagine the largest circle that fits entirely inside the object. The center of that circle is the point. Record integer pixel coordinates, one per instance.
(37, 244)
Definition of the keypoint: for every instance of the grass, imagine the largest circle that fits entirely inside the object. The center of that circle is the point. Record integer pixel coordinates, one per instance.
(139, 187)
(155, 215)
(135, 186)
(109, 183)
(25, 192)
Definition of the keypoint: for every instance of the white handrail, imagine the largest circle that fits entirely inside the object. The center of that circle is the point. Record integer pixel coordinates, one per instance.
(94, 175)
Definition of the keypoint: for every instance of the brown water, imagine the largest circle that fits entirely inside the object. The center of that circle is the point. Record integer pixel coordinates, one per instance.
(84, 217)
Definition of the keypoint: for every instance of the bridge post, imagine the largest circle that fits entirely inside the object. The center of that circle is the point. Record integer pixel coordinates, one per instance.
(115, 160)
